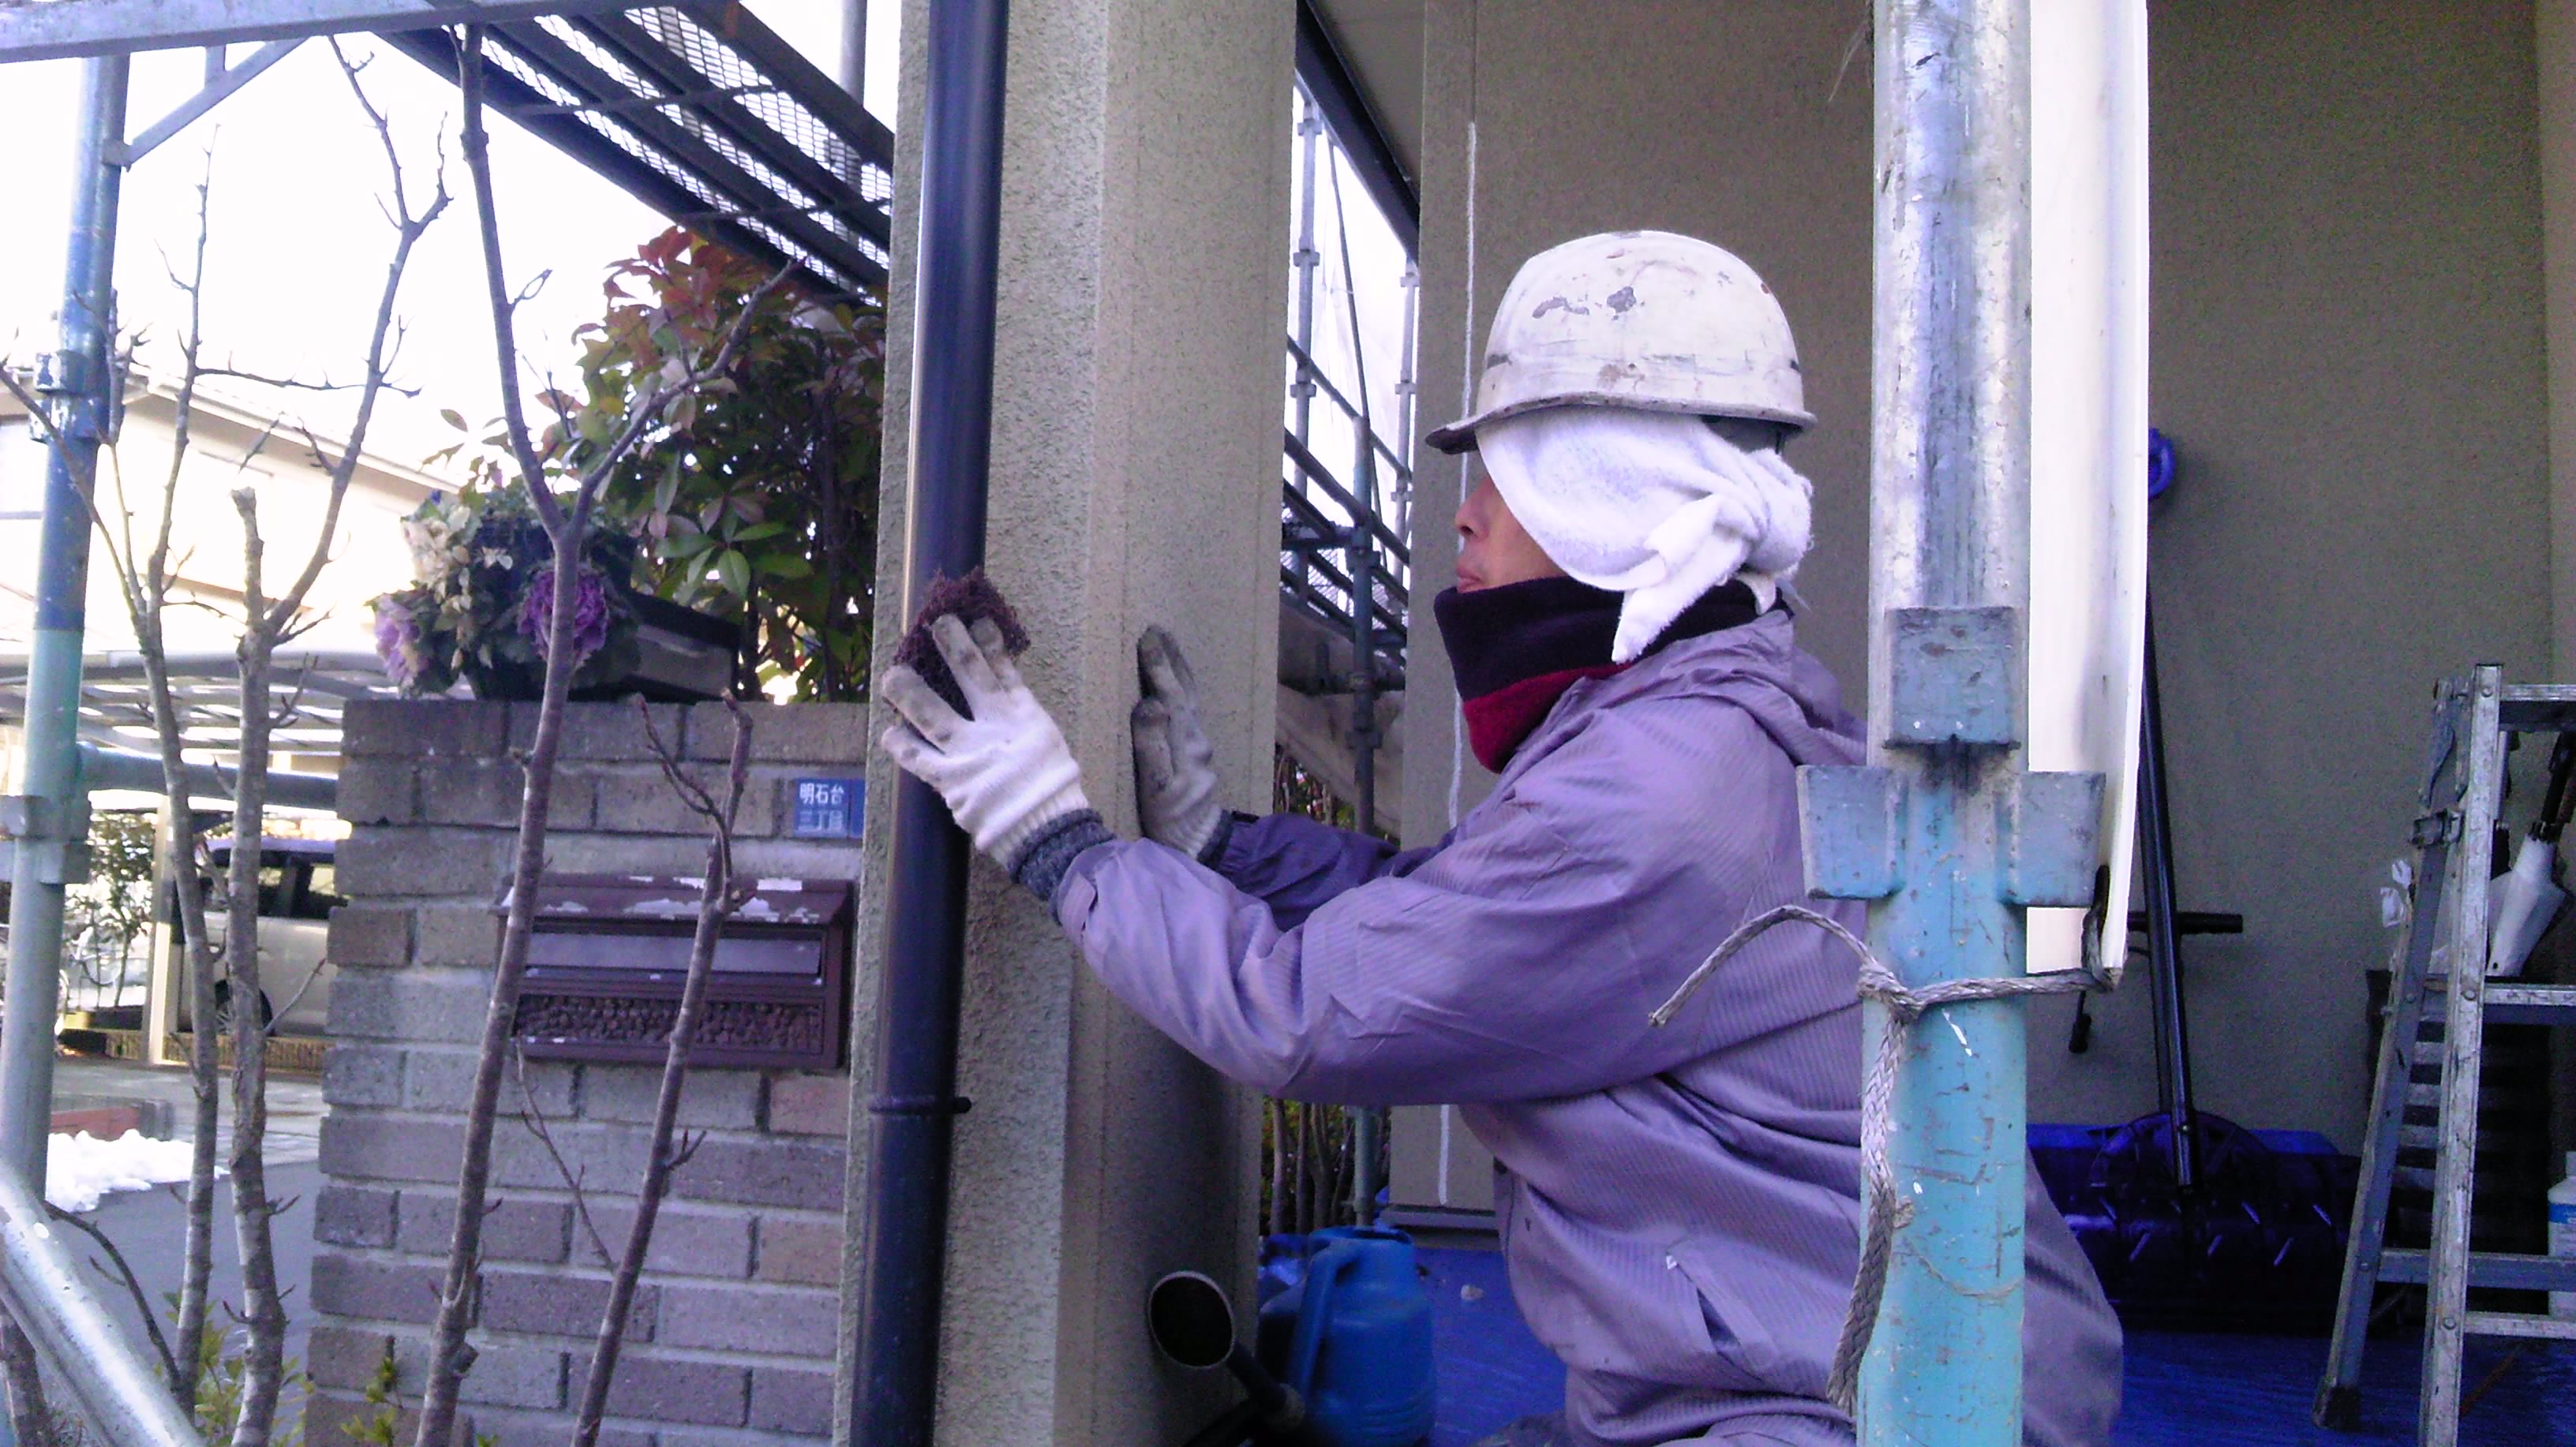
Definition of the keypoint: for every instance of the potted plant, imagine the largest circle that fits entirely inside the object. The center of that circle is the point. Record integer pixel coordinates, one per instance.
(736, 545)
(757, 501)
(482, 596)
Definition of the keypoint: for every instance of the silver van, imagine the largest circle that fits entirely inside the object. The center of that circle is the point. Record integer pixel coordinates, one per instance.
(298, 889)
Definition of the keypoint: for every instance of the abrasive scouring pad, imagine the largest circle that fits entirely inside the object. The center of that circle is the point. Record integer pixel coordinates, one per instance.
(970, 598)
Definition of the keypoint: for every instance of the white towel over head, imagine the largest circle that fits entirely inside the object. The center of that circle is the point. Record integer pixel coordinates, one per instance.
(1655, 505)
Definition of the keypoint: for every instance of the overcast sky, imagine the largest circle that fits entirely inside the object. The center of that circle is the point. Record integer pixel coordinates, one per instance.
(298, 248)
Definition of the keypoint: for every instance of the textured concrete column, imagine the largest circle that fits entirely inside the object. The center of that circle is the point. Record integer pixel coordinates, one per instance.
(1134, 481)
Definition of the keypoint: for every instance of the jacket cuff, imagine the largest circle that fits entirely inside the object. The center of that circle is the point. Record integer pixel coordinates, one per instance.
(1041, 862)
(1212, 853)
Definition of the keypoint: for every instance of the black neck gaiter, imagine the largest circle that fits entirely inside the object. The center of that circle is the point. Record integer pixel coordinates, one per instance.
(1516, 649)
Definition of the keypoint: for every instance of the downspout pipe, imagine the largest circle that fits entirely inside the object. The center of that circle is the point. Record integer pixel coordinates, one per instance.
(894, 1379)
(46, 821)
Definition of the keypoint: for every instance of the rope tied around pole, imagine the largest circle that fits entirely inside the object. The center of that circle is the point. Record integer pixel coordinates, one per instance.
(1905, 1007)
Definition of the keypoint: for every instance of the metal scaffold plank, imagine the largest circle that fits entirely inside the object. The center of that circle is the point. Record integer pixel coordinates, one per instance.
(738, 119)
(577, 72)
(56, 29)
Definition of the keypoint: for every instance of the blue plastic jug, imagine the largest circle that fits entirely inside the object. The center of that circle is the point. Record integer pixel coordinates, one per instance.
(1354, 1339)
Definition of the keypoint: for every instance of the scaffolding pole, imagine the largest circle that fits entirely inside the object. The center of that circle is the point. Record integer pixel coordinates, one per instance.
(40, 1286)
(1942, 830)
(46, 822)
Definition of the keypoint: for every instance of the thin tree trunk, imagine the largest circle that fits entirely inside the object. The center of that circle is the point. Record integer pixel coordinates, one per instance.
(567, 529)
(198, 1254)
(264, 1312)
(717, 900)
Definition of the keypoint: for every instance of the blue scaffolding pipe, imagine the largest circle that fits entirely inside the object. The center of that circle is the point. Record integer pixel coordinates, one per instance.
(1928, 828)
(40, 1286)
(46, 821)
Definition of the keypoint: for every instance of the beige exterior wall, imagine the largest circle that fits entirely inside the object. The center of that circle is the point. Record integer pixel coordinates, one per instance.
(2554, 32)
(1720, 121)
(1134, 481)
(2348, 352)
(368, 555)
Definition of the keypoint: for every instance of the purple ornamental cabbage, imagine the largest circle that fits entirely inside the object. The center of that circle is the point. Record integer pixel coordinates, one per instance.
(398, 641)
(589, 613)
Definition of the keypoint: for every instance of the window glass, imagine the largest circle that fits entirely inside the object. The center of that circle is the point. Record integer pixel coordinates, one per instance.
(320, 894)
(273, 879)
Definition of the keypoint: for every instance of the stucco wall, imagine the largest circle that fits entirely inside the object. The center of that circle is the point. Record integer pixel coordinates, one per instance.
(2348, 355)
(2347, 351)
(1134, 481)
(1738, 123)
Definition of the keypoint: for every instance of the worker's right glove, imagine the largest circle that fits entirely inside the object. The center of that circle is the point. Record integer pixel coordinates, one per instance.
(1176, 788)
(1002, 765)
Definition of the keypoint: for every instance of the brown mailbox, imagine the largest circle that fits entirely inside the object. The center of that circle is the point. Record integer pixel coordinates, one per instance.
(611, 952)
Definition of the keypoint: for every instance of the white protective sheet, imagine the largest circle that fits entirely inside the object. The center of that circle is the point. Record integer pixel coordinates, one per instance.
(2088, 553)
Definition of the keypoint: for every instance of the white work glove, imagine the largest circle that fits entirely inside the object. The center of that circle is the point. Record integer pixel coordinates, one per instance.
(1175, 764)
(1005, 771)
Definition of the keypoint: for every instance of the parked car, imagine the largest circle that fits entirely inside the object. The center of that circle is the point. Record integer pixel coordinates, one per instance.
(297, 892)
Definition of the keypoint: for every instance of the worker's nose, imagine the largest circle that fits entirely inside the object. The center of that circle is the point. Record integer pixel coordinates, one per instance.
(1470, 520)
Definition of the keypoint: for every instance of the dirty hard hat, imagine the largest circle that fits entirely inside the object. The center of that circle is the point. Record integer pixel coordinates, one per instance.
(1643, 319)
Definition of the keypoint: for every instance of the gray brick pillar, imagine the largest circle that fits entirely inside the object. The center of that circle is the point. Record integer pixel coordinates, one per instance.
(732, 1337)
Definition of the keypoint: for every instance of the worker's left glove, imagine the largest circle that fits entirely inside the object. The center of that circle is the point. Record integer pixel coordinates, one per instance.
(1003, 766)
(1176, 783)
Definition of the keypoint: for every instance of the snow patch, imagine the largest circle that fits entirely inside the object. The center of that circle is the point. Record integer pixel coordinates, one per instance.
(80, 1169)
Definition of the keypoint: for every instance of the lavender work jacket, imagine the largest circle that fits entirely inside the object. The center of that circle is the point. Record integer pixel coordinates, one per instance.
(1679, 1207)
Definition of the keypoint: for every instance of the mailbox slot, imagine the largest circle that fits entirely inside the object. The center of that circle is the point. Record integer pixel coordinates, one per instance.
(611, 953)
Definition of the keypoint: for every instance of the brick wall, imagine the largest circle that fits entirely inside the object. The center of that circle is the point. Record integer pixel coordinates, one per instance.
(732, 1337)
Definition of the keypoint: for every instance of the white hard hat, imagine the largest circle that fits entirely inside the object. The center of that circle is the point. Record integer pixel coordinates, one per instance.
(1643, 319)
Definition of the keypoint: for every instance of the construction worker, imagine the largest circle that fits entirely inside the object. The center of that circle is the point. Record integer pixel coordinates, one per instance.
(1679, 1207)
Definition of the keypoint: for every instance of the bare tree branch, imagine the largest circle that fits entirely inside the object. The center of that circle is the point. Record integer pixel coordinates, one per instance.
(298, 384)
(567, 529)
(37, 416)
(408, 232)
(133, 1287)
(534, 1117)
(279, 1017)
(718, 898)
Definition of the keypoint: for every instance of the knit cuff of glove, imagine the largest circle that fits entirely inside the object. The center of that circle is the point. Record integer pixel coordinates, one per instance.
(1212, 853)
(1043, 861)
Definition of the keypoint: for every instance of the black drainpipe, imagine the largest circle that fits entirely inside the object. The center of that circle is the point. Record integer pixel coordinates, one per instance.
(894, 1384)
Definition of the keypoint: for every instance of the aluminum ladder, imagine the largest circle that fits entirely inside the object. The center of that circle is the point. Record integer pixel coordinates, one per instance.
(2463, 783)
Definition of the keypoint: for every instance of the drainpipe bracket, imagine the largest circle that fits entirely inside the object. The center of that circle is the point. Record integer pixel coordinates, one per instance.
(1954, 677)
(2052, 828)
(2432, 829)
(1852, 818)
